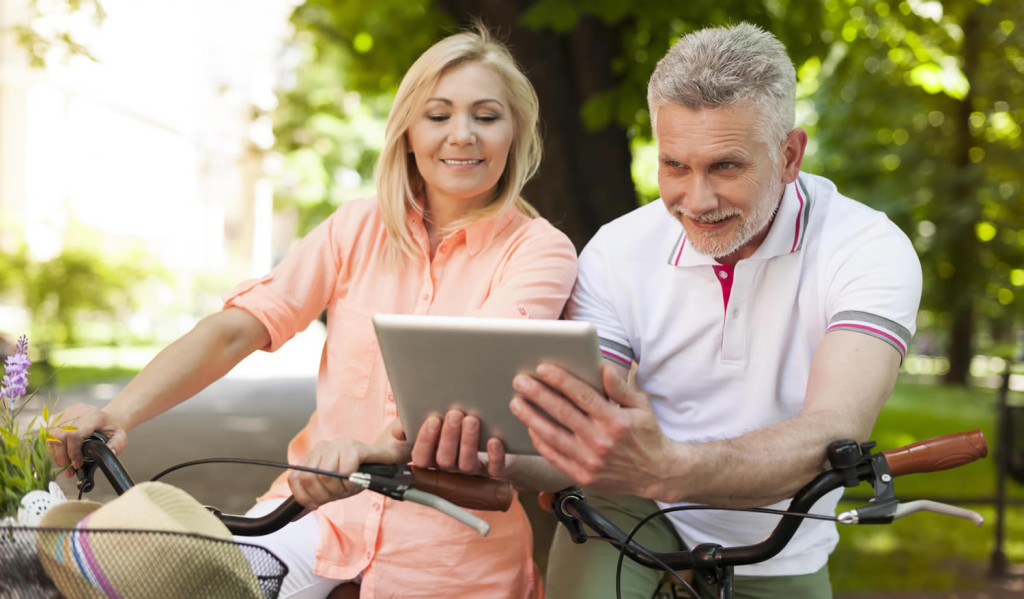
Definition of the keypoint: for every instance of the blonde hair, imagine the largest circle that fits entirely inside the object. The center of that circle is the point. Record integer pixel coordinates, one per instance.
(398, 180)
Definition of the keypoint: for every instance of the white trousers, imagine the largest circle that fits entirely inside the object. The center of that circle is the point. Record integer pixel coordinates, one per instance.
(295, 545)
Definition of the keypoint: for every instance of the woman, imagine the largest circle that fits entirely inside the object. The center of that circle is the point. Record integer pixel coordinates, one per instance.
(448, 234)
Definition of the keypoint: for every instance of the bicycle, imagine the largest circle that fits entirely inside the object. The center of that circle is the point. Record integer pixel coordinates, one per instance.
(445, 492)
(851, 464)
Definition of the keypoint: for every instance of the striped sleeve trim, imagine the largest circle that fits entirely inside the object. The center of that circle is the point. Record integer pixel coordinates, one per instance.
(891, 332)
(616, 352)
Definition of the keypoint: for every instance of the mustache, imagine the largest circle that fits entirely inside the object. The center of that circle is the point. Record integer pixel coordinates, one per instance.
(706, 218)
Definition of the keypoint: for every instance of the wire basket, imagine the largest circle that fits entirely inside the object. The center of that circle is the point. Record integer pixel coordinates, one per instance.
(46, 563)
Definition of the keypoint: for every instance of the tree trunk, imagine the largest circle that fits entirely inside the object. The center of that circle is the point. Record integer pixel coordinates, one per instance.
(585, 178)
(965, 283)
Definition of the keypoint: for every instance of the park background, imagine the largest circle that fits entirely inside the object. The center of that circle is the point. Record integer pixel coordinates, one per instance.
(153, 154)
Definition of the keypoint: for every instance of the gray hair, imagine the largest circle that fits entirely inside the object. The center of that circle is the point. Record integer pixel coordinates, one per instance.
(729, 66)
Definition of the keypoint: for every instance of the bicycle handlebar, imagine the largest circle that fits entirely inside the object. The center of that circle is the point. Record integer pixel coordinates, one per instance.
(939, 453)
(444, 491)
(849, 469)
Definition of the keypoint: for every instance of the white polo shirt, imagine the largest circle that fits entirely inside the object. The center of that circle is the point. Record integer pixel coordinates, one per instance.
(725, 350)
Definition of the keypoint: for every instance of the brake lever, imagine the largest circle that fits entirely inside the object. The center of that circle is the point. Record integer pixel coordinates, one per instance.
(925, 505)
(396, 481)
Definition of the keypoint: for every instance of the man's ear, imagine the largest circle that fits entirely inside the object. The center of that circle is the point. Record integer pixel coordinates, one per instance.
(793, 154)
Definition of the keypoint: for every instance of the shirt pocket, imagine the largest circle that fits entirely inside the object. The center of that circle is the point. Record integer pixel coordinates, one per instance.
(353, 349)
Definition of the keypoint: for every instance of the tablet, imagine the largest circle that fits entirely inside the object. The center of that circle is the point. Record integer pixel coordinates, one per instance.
(439, 362)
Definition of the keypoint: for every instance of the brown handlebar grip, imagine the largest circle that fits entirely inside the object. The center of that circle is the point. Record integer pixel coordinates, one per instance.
(473, 492)
(940, 453)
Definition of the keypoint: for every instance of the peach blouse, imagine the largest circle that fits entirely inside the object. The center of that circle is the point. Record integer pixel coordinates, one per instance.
(506, 266)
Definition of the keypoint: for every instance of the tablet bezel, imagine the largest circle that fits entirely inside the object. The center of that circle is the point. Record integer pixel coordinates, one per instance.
(436, 363)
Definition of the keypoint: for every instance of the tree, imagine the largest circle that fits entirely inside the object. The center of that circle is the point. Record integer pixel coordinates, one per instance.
(589, 62)
(918, 109)
(914, 107)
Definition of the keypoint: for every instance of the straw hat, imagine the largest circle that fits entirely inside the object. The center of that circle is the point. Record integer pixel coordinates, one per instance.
(192, 556)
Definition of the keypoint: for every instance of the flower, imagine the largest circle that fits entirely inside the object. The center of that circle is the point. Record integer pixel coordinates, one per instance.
(25, 464)
(15, 381)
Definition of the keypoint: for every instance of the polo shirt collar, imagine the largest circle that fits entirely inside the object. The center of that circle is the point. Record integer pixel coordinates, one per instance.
(786, 235)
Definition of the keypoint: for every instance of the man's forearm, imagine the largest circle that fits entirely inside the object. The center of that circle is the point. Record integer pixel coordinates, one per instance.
(534, 473)
(756, 469)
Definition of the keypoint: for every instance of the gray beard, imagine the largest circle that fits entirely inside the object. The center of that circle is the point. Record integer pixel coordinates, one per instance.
(713, 245)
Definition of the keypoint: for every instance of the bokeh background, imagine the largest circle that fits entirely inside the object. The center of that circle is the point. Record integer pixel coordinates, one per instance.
(153, 154)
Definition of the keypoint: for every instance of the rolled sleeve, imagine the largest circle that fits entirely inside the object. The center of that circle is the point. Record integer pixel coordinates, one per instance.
(298, 289)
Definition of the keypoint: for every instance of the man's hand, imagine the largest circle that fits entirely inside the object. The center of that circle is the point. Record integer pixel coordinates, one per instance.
(83, 420)
(608, 443)
(452, 445)
(343, 456)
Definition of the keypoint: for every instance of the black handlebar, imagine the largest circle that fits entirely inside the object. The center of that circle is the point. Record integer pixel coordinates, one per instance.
(851, 463)
(443, 491)
(97, 454)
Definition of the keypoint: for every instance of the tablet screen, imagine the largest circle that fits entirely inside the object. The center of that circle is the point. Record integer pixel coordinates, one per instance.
(436, 363)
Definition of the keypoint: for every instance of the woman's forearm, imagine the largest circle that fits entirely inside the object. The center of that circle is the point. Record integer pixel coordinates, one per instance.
(187, 366)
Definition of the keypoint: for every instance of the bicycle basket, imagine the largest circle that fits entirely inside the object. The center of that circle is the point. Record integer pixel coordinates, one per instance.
(61, 562)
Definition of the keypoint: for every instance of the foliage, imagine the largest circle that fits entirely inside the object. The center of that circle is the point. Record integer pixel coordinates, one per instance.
(917, 110)
(80, 281)
(913, 106)
(25, 463)
(57, 31)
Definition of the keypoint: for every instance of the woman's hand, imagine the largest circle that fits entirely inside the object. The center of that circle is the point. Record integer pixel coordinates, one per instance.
(452, 445)
(343, 456)
(75, 425)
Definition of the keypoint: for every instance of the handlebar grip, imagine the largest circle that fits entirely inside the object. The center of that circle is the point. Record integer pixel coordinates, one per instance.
(473, 492)
(939, 453)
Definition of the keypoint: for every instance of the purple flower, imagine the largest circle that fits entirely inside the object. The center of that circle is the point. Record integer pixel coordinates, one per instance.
(15, 381)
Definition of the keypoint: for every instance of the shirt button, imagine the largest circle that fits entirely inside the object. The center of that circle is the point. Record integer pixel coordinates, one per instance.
(425, 297)
(391, 397)
(376, 506)
(368, 555)
(723, 274)
(443, 249)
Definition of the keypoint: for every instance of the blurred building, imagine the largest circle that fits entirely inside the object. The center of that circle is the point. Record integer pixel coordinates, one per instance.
(162, 138)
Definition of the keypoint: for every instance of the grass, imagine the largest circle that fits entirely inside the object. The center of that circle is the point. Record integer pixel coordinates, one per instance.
(91, 365)
(929, 552)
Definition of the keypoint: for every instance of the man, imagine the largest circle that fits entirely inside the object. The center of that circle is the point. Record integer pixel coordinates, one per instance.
(770, 323)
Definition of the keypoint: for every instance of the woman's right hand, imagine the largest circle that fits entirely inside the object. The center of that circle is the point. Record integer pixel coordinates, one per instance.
(75, 424)
(343, 456)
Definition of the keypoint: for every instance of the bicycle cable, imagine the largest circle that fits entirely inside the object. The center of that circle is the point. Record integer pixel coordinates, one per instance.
(683, 508)
(254, 462)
